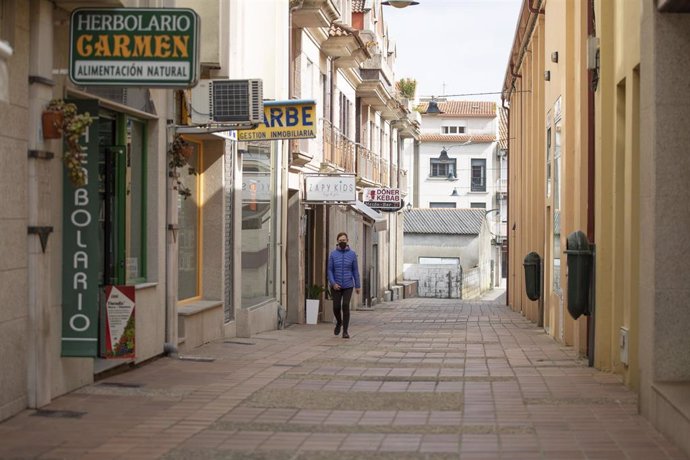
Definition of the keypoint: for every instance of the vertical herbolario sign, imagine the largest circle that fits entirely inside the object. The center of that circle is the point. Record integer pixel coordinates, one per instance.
(81, 254)
(134, 47)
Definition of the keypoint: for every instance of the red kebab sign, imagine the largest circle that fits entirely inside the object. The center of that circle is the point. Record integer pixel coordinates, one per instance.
(387, 199)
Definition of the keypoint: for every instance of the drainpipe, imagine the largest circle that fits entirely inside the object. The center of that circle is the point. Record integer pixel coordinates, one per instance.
(591, 31)
(507, 109)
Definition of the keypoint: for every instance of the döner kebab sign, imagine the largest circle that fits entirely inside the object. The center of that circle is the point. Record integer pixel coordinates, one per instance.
(385, 199)
(134, 47)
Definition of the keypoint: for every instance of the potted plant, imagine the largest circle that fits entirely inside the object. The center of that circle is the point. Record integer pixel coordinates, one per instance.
(313, 293)
(60, 118)
(180, 152)
(407, 87)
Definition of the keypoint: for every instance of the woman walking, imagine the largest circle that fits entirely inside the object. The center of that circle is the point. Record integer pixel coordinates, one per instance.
(343, 276)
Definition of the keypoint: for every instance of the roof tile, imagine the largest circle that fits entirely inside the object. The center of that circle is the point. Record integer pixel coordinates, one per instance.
(475, 138)
(464, 108)
(443, 221)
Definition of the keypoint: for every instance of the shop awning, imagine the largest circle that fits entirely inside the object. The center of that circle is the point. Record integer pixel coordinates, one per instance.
(380, 222)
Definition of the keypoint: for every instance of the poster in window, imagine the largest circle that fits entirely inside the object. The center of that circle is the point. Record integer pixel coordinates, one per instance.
(119, 328)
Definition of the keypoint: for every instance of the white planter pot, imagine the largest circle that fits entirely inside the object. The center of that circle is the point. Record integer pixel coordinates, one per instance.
(312, 311)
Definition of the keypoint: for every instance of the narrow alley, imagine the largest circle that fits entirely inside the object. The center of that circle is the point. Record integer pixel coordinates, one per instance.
(420, 378)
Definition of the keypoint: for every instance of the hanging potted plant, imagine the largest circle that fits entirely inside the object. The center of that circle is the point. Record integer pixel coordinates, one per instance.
(180, 152)
(60, 118)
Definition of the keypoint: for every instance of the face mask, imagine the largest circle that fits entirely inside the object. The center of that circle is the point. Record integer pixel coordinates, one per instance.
(342, 244)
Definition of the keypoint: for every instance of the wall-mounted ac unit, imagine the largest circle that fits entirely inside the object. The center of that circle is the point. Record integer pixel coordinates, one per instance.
(227, 102)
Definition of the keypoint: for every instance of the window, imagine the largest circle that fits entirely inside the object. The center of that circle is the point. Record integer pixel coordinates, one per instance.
(478, 205)
(258, 228)
(189, 218)
(441, 204)
(452, 129)
(548, 162)
(442, 168)
(478, 175)
(345, 110)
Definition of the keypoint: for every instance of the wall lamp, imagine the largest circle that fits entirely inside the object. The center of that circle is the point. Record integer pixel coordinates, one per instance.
(433, 108)
(409, 207)
(455, 192)
(400, 3)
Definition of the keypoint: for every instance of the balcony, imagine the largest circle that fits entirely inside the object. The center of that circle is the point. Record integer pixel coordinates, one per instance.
(338, 150)
(377, 92)
(344, 43)
(501, 189)
(315, 13)
(384, 173)
(402, 181)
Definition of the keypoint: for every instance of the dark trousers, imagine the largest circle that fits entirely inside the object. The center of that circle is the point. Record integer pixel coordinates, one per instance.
(341, 301)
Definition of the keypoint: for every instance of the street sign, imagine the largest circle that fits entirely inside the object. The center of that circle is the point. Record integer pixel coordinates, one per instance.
(382, 198)
(134, 47)
(335, 188)
(284, 120)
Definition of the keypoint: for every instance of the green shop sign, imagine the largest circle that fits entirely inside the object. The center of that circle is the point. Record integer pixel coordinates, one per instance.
(134, 47)
(81, 254)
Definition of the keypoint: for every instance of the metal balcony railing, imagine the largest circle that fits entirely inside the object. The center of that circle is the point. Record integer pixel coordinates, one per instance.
(338, 150)
(384, 173)
(402, 181)
(367, 167)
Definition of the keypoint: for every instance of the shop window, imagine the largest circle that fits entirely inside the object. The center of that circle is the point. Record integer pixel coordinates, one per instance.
(557, 208)
(122, 185)
(258, 226)
(188, 238)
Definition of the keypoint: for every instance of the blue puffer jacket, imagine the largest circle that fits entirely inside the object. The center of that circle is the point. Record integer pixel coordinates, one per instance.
(342, 268)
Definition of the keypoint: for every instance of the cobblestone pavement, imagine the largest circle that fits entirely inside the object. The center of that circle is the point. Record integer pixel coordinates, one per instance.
(419, 379)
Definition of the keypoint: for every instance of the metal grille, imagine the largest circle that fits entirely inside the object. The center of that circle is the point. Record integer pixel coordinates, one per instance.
(231, 101)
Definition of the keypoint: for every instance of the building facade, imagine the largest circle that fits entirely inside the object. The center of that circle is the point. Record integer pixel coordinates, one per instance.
(591, 89)
(191, 230)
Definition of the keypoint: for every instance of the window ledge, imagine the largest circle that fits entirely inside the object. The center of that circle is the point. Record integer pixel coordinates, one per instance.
(145, 285)
(199, 306)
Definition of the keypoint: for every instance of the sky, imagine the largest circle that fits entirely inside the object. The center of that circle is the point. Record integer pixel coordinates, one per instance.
(454, 47)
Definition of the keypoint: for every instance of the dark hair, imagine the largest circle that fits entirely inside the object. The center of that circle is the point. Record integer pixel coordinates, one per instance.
(342, 234)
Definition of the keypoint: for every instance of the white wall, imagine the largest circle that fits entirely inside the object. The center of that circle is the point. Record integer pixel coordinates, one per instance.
(440, 189)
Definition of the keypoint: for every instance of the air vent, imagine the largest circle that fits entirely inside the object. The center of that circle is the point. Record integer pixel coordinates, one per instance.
(231, 102)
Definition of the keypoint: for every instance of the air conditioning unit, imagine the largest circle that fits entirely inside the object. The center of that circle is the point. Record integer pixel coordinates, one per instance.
(228, 102)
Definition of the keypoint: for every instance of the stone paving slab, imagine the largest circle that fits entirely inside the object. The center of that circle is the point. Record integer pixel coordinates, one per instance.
(431, 379)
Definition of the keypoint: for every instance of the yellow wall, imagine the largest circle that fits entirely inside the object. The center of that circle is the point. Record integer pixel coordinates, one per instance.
(534, 106)
(617, 184)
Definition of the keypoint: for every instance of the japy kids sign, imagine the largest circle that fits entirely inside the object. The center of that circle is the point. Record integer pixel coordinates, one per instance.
(119, 322)
(134, 46)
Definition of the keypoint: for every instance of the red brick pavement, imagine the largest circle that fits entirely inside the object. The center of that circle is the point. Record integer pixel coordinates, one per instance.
(420, 378)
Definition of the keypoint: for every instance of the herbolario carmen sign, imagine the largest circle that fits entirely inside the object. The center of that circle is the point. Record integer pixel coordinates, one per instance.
(134, 47)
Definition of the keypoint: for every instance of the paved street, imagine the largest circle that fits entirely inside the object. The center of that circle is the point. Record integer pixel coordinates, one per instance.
(420, 378)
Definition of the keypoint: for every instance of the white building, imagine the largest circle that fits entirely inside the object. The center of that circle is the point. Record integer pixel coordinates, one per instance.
(458, 163)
